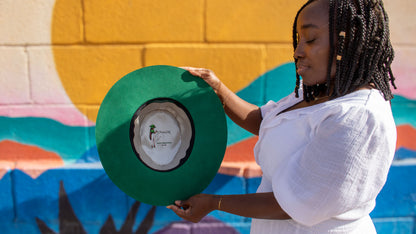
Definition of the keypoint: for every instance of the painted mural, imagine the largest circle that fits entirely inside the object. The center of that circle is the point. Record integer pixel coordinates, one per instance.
(60, 57)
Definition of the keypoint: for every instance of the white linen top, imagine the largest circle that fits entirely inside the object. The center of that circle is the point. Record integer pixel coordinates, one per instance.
(325, 163)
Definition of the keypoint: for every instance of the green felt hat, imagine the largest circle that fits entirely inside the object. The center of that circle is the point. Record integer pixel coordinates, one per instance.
(161, 134)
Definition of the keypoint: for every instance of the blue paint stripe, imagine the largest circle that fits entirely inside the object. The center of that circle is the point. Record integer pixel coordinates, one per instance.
(403, 153)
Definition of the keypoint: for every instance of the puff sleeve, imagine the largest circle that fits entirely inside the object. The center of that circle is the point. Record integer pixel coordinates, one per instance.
(342, 169)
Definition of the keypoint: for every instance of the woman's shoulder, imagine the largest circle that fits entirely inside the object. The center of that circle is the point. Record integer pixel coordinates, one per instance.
(367, 105)
(361, 105)
(370, 100)
(277, 106)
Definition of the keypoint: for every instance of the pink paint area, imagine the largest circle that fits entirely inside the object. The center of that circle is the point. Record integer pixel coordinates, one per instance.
(65, 114)
(404, 71)
(405, 82)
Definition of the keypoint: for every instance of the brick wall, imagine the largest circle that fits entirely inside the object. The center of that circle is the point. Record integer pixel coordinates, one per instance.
(60, 57)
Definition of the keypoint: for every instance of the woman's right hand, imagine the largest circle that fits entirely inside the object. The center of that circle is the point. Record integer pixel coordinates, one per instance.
(246, 115)
(196, 207)
(207, 75)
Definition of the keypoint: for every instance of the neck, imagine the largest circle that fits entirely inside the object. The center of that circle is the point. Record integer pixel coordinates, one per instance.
(315, 92)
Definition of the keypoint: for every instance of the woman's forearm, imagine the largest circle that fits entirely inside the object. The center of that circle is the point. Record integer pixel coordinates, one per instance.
(246, 115)
(256, 205)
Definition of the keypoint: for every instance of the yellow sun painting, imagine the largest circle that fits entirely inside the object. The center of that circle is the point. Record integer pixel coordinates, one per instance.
(96, 42)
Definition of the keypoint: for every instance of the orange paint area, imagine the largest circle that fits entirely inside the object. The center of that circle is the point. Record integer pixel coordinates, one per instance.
(241, 151)
(30, 159)
(406, 137)
(239, 160)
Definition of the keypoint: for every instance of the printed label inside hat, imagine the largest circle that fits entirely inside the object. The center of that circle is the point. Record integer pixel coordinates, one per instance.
(161, 134)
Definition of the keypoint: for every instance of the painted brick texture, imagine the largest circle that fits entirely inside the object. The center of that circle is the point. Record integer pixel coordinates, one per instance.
(247, 59)
(143, 21)
(401, 17)
(14, 81)
(25, 22)
(88, 72)
(58, 59)
(250, 21)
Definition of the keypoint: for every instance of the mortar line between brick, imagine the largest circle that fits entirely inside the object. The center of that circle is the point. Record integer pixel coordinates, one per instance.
(141, 44)
(143, 56)
(84, 38)
(122, 43)
(51, 105)
(13, 190)
(205, 20)
(264, 57)
(29, 76)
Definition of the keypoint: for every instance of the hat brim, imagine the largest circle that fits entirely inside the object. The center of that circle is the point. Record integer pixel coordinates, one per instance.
(118, 156)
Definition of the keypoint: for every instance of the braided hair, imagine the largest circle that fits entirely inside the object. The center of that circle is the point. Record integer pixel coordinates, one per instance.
(363, 49)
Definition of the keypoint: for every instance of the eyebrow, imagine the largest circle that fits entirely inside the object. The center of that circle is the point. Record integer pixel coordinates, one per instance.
(305, 26)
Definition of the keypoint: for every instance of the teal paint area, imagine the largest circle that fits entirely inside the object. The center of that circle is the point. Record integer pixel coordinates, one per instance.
(272, 85)
(69, 142)
(280, 82)
(77, 144)
(404, 111)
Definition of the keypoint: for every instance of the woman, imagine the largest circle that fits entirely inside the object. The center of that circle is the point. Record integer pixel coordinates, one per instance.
(325, 156)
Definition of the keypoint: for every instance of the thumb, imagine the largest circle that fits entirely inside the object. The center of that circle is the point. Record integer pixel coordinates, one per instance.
(183, 204)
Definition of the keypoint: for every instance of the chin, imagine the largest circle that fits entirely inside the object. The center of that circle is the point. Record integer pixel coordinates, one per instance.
(310, 82)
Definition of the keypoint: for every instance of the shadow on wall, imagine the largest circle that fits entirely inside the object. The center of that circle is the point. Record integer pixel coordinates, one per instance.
(91, 203)
(69, 223)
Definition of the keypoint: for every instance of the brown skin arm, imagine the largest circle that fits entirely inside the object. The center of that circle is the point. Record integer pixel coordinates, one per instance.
(246, 115)
(258, 205)
(255, 205)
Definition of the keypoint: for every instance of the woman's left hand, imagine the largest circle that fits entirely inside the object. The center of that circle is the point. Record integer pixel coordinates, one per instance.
(195, 208)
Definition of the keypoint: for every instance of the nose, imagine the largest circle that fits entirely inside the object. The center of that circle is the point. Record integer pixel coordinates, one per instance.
(299, 51)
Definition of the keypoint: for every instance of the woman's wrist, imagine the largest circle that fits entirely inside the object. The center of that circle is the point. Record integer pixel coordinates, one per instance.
(223, 93)
(217, 202)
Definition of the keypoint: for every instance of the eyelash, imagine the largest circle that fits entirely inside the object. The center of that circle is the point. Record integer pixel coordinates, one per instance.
(310, 41)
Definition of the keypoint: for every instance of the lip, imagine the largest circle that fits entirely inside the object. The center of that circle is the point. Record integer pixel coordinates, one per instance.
(301, 68)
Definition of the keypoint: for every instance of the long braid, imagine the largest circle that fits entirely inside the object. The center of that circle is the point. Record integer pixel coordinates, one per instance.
(339, 47)
(357, 34)
(373, 38)
(367, 59)
(360, 55)
(331, 43)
